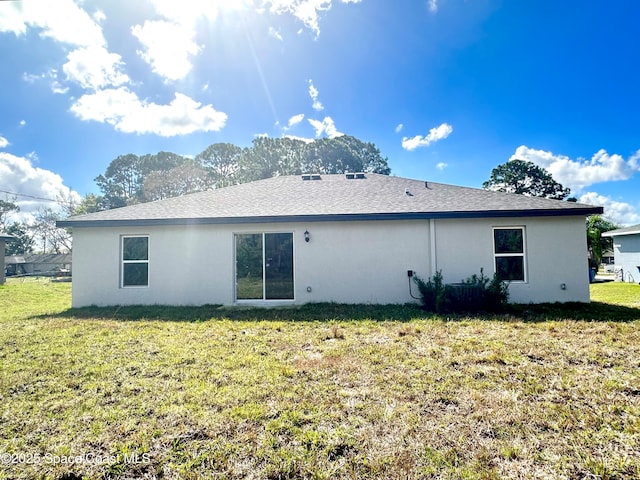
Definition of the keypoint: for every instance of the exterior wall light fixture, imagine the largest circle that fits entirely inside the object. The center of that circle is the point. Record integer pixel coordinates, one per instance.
(306, 236)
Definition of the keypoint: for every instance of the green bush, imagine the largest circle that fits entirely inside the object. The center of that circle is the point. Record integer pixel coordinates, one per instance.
(478, 293)
(433, 292)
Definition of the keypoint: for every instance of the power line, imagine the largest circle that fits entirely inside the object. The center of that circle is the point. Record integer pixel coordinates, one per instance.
(29, 196)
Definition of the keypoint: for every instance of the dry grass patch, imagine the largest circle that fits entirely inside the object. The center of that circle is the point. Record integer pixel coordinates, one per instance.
(263, 397)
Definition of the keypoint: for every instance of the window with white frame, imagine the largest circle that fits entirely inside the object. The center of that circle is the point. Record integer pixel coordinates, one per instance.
(135, 261)
(509, 253)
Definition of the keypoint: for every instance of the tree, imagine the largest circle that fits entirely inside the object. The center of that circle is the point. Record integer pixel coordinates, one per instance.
(22, 242)
(348, 154)
(222, 161)
(52, 238)
(6, 209)
(596, 243)
(161, 161)
(130, 178)
(269, 157)
(121, 181)
(181, 180)
(526, 178)
(91, 203)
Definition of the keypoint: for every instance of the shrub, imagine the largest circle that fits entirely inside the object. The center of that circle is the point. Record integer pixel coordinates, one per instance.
(476, 293)
(494, 292)
(433, 293)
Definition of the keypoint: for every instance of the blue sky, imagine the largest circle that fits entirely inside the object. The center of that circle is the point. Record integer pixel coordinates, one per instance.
(447, 89)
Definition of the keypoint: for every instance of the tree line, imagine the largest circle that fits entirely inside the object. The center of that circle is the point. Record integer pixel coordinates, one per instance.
(131, 179)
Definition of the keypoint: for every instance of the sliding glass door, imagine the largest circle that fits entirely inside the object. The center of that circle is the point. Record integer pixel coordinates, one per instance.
(249, 271)
(264, 266)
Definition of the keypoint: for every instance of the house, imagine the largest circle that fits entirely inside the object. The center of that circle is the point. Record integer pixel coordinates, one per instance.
(327, 238)
(45, 264)
(4, 239)
(626, 252)
(608, 257)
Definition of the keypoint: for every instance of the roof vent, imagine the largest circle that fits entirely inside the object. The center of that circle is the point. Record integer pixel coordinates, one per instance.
(408, 193)
(309, 176)
(351, 176)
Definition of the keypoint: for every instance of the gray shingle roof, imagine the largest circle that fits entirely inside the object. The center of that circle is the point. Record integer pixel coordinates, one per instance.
(333, 197)
(39, 258)
(632, 230)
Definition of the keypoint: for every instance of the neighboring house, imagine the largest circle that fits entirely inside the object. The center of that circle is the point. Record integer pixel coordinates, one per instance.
(626, 251)
(608, 258)
(4, 239)
(327, 238)
(38, 264)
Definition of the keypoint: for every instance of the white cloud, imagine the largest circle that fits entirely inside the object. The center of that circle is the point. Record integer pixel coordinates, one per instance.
(302, 139)
(435, 134)
(127, 113)
(433, 5)
(167, 47)
(442, 165)
(63, 21)
(30, 77)
(399, 128)
(296, 119)
(307, 11)
(618, 212)
(313, 93)
(275, 34)
(55, 85)
(304, 10)
(51, 76)
(12, 18)
(95, 68)
(58, 88)
(99, 16)
(18, 175)
(169, 44)
(581, 173)
(4, 143)
(325, 126)
(23, 123)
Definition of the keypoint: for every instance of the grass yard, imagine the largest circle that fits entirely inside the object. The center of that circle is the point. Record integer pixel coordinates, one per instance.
(320, 391)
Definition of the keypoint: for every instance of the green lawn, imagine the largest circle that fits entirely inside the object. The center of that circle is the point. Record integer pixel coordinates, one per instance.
(627, 294)
(321, 391)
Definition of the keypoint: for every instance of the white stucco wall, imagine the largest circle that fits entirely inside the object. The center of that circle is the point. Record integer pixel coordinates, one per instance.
(556, 254)
(360, 262)
(347, 262)
(626, 252)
